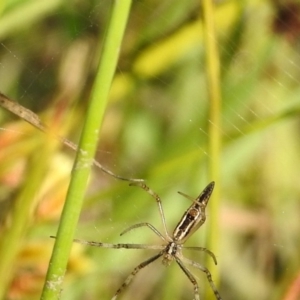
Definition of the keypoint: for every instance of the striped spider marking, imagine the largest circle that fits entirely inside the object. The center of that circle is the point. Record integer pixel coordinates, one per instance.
(172, 248)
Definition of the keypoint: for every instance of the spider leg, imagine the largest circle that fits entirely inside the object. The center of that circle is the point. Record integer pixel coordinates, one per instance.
(204, 250)
(134, 272)
(190, 277)
(144, 224)
(208, 275)
(158, 201)
(186, 196)
(118, 246)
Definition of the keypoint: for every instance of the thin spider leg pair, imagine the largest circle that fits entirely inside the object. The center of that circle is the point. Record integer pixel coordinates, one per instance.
(159, 204)
(172, 248)
(204, 270)
(190, 277)
(150, 226)
(146, 224)
(135, 271)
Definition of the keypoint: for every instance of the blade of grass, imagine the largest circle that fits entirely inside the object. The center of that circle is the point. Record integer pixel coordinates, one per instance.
(20, 217)
(214, 125)
(84, 157)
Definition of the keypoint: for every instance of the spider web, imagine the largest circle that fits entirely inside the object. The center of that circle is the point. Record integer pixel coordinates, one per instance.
(156, 128)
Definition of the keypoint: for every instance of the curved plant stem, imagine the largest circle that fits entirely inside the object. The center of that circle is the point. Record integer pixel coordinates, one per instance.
(214, 124)
(87, 146)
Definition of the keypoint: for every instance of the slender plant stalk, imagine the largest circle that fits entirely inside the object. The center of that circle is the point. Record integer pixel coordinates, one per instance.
(21, 213)
(87, 146)
(214, 125)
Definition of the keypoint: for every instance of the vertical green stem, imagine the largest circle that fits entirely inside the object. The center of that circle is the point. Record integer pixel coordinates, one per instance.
(214, 125)
(21, 213)
(84, 157)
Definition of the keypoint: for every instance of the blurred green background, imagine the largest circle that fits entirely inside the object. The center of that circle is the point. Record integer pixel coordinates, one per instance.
(156, 128)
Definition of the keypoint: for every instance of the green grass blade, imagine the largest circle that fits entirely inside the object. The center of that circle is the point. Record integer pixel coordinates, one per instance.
(214, 125)
(21, 214)
(88, 144)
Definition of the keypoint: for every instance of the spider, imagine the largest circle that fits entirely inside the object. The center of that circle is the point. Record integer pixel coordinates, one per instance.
(171, 250)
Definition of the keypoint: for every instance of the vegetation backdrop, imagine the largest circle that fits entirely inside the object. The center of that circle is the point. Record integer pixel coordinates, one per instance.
(155, 128)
